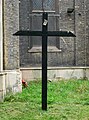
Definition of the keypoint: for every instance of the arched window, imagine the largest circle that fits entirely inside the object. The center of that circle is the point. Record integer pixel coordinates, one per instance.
(34, 22)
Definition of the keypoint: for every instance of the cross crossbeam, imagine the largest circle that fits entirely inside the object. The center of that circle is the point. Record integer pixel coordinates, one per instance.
(47, 33)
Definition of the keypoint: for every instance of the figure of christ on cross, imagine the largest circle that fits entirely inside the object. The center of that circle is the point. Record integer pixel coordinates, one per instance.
(44, 33)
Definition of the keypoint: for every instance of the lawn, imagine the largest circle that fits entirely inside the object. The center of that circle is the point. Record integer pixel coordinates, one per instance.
(67, 100)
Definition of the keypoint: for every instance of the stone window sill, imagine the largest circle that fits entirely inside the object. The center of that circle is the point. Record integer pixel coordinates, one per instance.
(51, 49)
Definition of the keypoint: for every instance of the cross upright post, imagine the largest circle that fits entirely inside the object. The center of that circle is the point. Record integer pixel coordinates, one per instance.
(44, 61)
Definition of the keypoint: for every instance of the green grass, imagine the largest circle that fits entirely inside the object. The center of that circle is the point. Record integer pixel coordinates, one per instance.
(67, 100)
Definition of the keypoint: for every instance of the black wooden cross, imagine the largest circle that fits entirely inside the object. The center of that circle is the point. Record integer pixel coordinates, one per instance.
(44, 33)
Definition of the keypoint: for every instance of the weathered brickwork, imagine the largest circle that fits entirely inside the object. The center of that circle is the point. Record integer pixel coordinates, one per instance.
(74, 51)
(11, 25)
(82, 30)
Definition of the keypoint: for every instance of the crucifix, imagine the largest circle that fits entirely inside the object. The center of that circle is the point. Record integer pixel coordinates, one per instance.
(45, 34)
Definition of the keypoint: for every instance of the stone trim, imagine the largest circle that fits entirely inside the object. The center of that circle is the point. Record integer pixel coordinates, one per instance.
(1, 37)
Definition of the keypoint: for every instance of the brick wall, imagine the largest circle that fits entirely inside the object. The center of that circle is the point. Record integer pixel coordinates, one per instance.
(75, 51)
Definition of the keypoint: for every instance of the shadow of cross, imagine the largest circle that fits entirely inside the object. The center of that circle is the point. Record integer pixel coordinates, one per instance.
(44, 33)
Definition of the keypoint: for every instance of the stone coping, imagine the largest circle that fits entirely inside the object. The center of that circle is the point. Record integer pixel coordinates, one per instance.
(53, 68)
(2, 73)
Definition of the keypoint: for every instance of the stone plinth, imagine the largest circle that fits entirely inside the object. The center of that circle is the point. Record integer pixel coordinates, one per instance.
(10, 83)
(2, 86)
(13, 81)
(56, 73)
